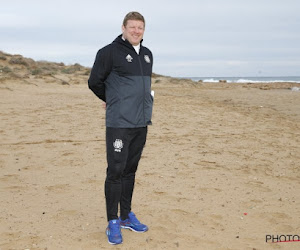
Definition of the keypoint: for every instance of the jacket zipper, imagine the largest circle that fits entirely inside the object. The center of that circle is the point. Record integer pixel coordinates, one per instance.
(144, 97)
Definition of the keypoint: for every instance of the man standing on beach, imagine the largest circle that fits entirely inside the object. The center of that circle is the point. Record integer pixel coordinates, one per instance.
(121, 77)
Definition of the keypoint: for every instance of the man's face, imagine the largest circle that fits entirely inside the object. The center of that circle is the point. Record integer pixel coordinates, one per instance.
(133, 31)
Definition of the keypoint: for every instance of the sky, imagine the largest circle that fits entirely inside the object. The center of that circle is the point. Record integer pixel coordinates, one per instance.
(191, 38)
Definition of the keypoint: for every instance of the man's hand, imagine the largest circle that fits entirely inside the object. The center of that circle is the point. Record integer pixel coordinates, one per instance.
(104, 105)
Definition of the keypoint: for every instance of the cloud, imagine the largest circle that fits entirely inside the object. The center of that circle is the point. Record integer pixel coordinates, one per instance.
(13, 20)
(195, 37)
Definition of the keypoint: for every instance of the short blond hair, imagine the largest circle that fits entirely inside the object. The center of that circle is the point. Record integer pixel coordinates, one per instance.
(133, 15)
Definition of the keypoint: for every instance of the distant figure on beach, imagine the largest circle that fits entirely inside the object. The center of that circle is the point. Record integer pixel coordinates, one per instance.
(121, 77)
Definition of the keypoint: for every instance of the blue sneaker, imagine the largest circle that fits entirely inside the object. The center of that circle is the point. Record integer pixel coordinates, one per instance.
(133, 224)
(113, 232)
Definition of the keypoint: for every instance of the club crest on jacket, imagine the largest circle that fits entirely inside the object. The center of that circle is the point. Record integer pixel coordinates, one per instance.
(147, 59)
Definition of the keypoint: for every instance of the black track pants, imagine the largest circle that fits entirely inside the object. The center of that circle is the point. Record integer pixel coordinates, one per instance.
(124, 148)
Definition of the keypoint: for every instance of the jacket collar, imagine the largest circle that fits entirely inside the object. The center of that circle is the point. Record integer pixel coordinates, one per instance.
(126, 42)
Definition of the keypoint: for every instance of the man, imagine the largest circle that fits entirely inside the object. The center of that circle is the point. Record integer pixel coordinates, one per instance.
(121, 77)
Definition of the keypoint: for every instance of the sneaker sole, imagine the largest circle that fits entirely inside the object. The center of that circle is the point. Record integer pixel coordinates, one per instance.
(114, 243)
(133, 229)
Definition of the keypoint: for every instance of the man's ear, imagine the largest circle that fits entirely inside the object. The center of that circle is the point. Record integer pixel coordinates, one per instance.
(123, 28)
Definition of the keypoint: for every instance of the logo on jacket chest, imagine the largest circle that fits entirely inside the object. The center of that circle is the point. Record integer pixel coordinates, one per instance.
(147, 59)
(129, 58)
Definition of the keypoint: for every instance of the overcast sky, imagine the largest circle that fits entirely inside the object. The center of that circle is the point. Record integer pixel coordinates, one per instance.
(187, 38)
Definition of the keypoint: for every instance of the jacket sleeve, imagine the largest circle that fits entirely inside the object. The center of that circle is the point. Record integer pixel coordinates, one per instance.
(100, 71)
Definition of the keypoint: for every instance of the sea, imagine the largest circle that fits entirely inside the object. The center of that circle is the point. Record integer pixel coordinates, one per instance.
(252, 79)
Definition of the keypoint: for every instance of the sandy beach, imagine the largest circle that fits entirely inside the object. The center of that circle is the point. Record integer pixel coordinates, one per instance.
(220, 169)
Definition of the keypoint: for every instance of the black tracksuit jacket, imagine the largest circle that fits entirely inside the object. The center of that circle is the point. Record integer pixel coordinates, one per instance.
(122, 78)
